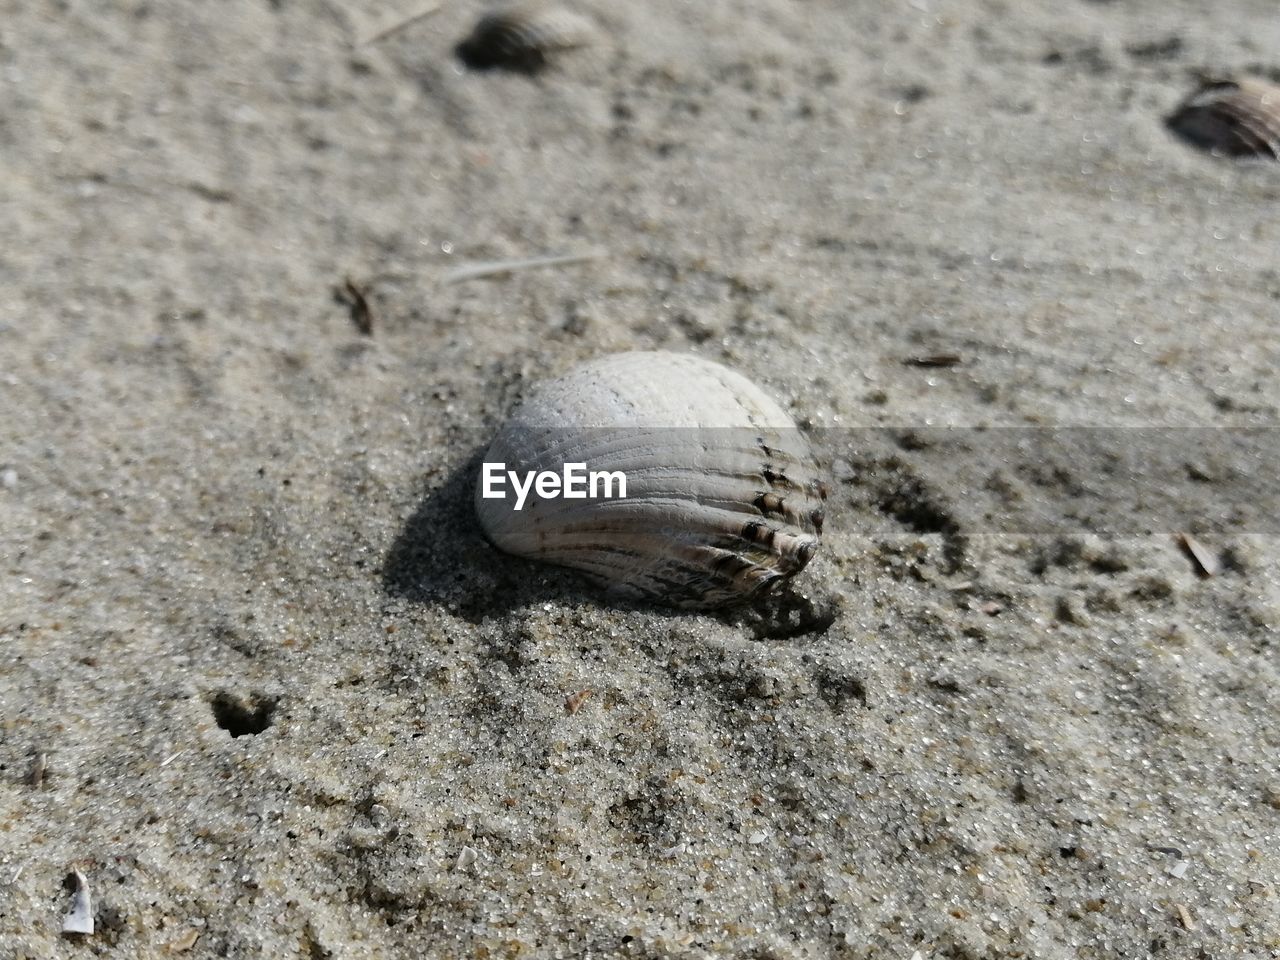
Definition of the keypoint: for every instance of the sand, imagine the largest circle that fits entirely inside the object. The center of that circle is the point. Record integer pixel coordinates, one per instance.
(291, 703)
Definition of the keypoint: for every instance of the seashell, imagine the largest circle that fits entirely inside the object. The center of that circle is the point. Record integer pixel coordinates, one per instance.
(722, 497)
(1232, 118)
(79, 919)
(524, 37)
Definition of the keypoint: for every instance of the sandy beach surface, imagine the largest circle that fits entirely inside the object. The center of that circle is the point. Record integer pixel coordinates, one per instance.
(264, 683)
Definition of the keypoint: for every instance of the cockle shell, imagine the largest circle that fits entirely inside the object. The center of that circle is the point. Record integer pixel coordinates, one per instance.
(523, 36)
(1233, 118)
(723, 499)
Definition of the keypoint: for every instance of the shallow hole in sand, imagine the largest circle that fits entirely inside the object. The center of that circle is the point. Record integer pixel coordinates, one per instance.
(242, 717)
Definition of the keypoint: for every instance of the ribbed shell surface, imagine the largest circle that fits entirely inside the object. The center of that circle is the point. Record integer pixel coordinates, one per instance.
(723, 499)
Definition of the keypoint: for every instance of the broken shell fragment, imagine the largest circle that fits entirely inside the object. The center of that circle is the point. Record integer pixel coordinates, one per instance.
(523, 36)
(1231, 118)
(719, 496)
(573, 703)
(79, 918)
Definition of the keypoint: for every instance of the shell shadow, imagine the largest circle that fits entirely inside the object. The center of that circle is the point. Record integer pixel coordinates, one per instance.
(442, 558)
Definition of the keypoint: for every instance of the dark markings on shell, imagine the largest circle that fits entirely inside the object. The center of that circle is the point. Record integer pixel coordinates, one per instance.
(756, 532)
(778, 478)
(1231, 118)
(731, 565)
(817, 517)
(719, 572)
(523, 37)
(771, 505)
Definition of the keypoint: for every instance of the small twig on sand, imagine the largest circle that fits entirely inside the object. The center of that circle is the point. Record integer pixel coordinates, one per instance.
(401, 25)
(358, 304)
(493, 268)
(935, 360)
